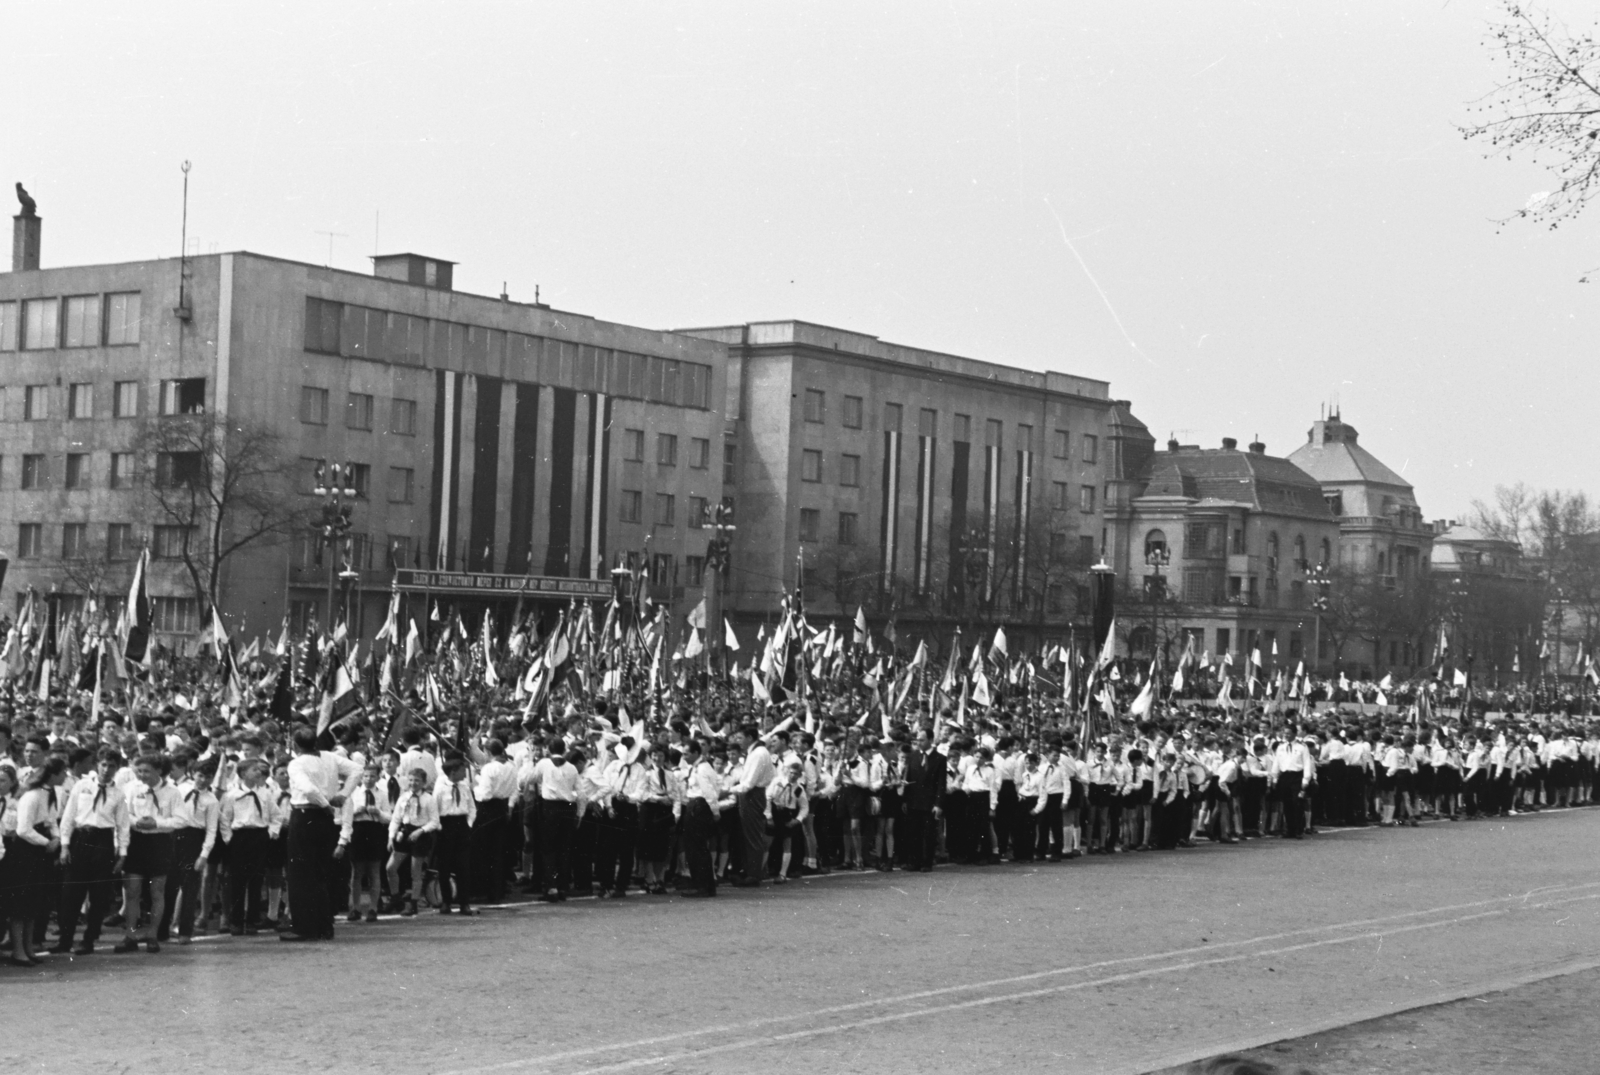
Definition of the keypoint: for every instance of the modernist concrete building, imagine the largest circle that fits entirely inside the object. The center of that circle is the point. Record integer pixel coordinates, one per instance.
(494, 446)
(933, 488)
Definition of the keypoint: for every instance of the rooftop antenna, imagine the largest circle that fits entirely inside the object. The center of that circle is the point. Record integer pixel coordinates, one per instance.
(331, 236)
(505, 296)
(183, 255)
(536, 294)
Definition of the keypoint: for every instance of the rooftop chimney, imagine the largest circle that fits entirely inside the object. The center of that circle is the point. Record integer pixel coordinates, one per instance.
(1258, 447)
(1230, 444)
(1172, 444)
(25, 229)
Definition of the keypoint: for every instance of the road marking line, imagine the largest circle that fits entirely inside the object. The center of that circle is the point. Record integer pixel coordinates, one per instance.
(575, 1054)
(1351, 1016)
(980, 1002)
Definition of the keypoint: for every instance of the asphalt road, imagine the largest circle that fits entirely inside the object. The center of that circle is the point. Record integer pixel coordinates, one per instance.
(1128, 963)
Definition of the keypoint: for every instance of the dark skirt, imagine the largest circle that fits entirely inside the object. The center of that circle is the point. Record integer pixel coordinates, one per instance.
(655, 831)
(150, 854)
(369, 841)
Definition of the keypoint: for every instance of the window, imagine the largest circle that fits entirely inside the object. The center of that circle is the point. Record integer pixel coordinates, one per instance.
(1086, 498)
(993, 432)
(35, 472)
(125, 399)
(666, 508)
(171, 542)
(358, 411)
(699, 453)
(358, 476)
(30, 540)
(964, 427)
(322, 325)
(1327, 552)
(815, 402)
(77, 470)
(694, 570)
(1061, 445)
(663, 571)
(811, 465)
(122, 319)
(39, 324)
(1091, 448)
(35, 403)
(8, 326)
(119, 541)
(1055, 597)
(810, 522)
(80, 401)
(400, 554)
(852, 412)
(175, 469)
(698, 516)
(174, 615)
(74, 540)
(1155, 544)
(891, 417)
(121, 470)
(188, 396)
(403, 417)
(1060, 497)
(730, 456)
(401, 481)
(1086, 546)
(633, 445)
(631, 506)
(666, 449)
(313, 405)
(847, 527)
(83, 321)
(850, 470)
(1058, 545)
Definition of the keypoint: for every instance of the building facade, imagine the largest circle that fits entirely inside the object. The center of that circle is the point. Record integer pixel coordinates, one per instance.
(930, 488)
(486, 441)
(1222, 545)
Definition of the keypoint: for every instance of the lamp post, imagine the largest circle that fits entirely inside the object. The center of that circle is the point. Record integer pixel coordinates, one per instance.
(1155, 591)
(335, 520)
(1318, 574)
(718, 558)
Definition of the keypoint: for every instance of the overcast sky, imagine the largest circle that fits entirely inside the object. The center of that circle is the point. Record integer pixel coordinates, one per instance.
(1234, 212)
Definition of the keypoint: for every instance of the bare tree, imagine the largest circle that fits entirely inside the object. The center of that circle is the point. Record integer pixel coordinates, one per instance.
(224, 483)
(1546, 107)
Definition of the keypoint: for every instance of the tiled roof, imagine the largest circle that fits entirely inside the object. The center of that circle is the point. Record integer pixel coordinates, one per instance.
(1264, 482)
(1335, 456)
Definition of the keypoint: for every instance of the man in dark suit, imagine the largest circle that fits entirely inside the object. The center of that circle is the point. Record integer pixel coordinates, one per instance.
(924, 775)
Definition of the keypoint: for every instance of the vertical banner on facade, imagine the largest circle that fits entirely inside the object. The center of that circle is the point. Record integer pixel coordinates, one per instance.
(1024, 501)
(485, 474)
(924, 535)
(446, 464)
(960, 470)
(991, 514)
(890, 534)
(558, 559)
(524, 468)
(598, 465)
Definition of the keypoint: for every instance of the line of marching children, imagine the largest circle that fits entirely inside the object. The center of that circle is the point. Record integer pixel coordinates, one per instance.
(233, 832)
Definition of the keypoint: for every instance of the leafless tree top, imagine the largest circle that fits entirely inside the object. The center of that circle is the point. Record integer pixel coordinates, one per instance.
(1546, 107)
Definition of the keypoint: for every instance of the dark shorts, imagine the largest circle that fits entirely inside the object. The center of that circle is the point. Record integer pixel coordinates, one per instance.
(150, 854)
(852, 803)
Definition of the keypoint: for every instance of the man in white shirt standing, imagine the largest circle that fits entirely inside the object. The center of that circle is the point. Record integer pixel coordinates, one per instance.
(758, 772)
(1291, 766)
(319, 783)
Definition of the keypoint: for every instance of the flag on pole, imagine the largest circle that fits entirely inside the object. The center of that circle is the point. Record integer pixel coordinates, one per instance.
(729, 639)
(136, 619)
